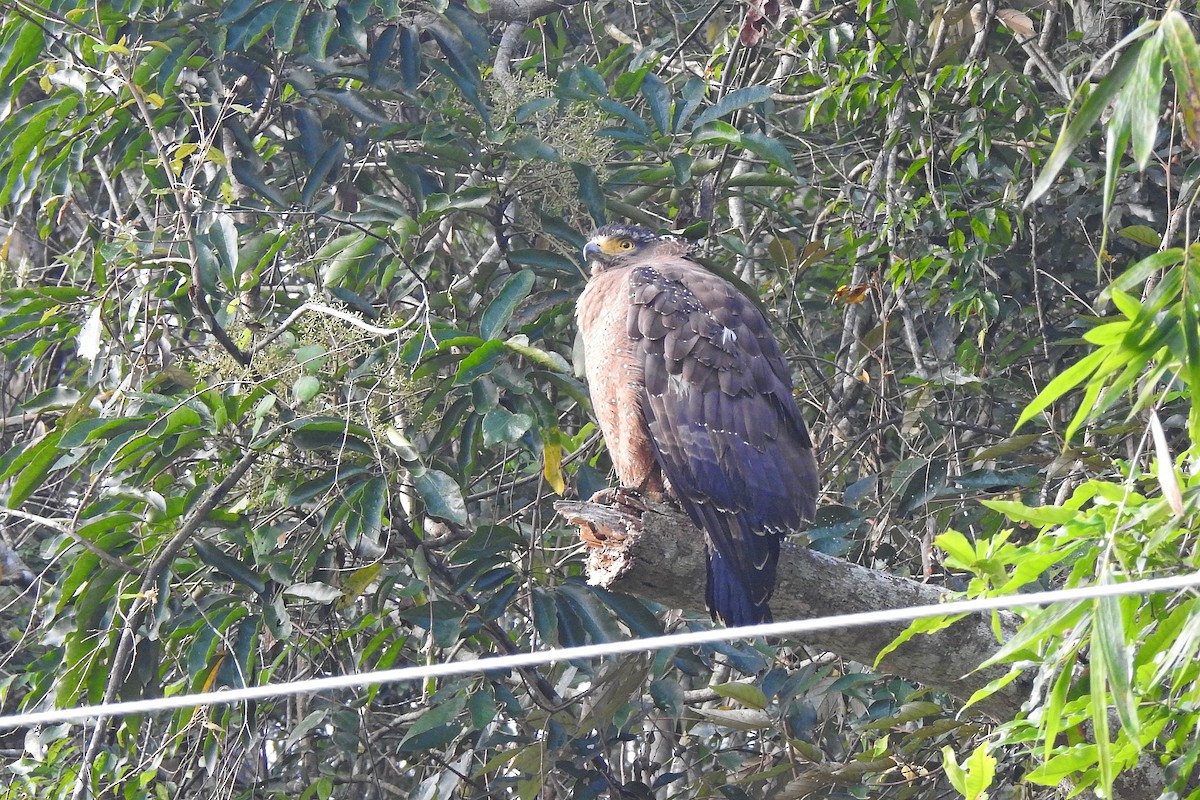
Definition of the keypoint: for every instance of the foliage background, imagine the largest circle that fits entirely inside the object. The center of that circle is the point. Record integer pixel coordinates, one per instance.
(286, 297)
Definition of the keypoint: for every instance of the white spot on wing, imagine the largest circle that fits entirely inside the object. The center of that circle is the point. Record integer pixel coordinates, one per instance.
(728, 337)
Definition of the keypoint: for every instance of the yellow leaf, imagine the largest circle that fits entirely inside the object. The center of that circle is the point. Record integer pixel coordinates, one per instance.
(358, 582)
(552, 467)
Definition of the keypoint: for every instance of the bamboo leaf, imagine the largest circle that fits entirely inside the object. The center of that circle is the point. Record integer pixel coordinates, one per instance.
(1143, 98)
(1063, 383)
(1108, 634)
(1079, 127)
(1185, 64)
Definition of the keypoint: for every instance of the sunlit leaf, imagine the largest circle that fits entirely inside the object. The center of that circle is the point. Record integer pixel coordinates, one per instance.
(442, 495)
(316, 591)
(1081, 125)
(1185, 64)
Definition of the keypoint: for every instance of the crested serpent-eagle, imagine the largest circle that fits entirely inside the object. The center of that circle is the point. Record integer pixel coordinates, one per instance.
(695, 402)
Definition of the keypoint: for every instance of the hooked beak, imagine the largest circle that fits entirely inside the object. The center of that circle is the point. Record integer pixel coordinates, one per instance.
(590, 249)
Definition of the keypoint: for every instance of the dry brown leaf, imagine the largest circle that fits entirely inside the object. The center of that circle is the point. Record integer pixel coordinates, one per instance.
(1016, 21)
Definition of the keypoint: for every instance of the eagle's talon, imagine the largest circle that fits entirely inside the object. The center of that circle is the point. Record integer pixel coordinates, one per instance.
(622, 497)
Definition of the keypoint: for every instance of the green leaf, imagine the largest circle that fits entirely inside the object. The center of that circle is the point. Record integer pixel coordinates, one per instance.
(374, 508)
(739, 98)
(769, 148)
(346, 264)
(592, 194)
(306, 388)
(436, 720)
(1142, 234)
(440, 205)
(544, 262)
(658, 97)
(910, 9)
(545, 615)
(1063, 383)
(502, 425)
(286, 25)
(442, 495)
(1098, 689)
(479, 362)
(338, 434)
(531, 148)
(595, 616)
(1079, 127)
(35, 464)
(1038, 515)
(1139, 272)
(501, 309)
(690, 99)
(630, 81)
(631, 612)
(1054, 712)
(747, 694)
(546, 358)
(925, 625)
(1044, 624)
(973, 778)
(318, 177)
(1108, 633)
(229, 566)
(94, 528)
(957, 546)
(667, 694)
(482, 706)
(1067, 762)
(614, 688)
(1142, 98)
(1185, 64)
(223, 236)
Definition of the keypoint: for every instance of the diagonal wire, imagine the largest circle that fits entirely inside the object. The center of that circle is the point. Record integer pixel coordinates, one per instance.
(553, 656)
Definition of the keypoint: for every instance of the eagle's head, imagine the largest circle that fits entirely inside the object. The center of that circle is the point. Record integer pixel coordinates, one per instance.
(618, 245)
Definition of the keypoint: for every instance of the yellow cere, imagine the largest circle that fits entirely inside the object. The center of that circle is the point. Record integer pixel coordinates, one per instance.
(612, 245)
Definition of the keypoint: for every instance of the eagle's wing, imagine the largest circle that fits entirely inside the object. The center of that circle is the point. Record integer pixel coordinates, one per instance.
(727, 434)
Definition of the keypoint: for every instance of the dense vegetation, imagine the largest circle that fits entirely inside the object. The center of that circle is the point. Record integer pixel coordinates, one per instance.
(287, 385)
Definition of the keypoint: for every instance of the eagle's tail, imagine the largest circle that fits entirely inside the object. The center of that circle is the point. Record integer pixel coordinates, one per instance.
(741, 565)
(730, 600)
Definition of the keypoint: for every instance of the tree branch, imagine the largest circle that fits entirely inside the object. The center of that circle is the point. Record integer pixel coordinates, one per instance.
(665, 563)
(657, 556)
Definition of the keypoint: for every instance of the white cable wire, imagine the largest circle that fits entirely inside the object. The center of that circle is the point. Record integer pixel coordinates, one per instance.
(482, 665)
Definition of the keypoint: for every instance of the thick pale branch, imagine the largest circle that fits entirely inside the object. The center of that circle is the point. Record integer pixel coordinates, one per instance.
(657, 555)
(664, 562)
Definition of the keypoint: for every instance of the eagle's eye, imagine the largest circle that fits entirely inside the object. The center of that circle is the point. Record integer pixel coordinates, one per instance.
(625, 244)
